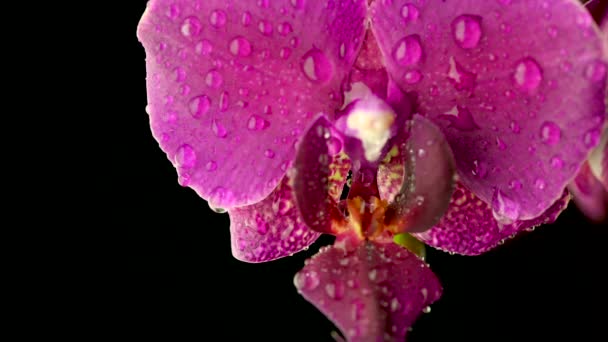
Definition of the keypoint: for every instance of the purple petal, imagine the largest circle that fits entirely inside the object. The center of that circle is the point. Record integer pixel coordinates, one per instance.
(429, 182)
(590, 187)
(372, 293)
(514, 85)
(273, 228)
(469, 226)
(313, 176)
(231, 84)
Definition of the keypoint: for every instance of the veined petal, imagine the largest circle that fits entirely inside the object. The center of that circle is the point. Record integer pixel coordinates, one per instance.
(231, 83)
(373, 292)
(517, 87)
(469, 227)
(317, 182)
(429, 177)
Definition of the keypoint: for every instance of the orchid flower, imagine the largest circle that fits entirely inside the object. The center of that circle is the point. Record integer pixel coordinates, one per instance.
(462, 123)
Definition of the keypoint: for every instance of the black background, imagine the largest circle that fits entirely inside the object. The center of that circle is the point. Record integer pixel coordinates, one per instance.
(179, 266)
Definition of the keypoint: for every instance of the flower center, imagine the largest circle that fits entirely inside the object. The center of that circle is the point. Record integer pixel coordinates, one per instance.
(371, 218)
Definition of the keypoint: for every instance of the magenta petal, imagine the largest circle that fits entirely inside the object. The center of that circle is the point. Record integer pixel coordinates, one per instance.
(372, 293)
(232, 83)
(469, 226)
(429, 177)
(269, 229)
(311, 179)
(517, 87)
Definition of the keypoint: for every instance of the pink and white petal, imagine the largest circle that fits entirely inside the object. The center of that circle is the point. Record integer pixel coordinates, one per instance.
(231, 84)
(373, 292)
(469, 226)
(517, 87)
(429, 177)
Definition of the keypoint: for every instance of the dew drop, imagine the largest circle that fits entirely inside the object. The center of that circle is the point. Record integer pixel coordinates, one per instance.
(409, 12)
(257, 123)
(269, 153)
(285, 28)
(528, 74)
(285, 52)
(217, 18)
(413, 77)
(203, 47)
(214, 79)
(307, 280)
(335, 290)
(265, 27)
(550, 133)
(199, 106)
(556, 162)
(540, 184)
(240, 46)
(316, 66)
(191, 27)
(504, 209)
(218, 129)
(211, 166)
(592, 138)
(596, 71)
(408, 50)
(466, 30)
(246, 18)
(185, 157)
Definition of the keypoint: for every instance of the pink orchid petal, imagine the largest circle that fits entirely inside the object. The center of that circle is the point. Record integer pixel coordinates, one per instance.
(312, 176)
(517, 87)
(273, 228)
(231, 84)
(599, 11)
(429, 177)
(372, 293)
(590, 187)
(469, 226)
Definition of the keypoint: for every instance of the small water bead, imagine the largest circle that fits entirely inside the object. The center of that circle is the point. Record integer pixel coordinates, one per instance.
(257, 123)
(285, 28)
(180, 74)
(214, 79)
(409, 12)
(224, 101)
(218, 129)
(240, 46)
(217, 19)
(480, 169)
(199, 106)
(504, 209)
(173, 11)
(191, 27)
(246, 18)
(298, 4)
(540, 184)
(263, 3)
(515, 128)
(316, 66)
(335, 290)
(515, 184)
(550, 133)
(408, 50)
(269, 153)
(596, 71)
(466, 30)
(528, 74)
(185, 157)
(285, 52)
(413, 77)
(334, 146)
(556, 162)
(211, 166)
(294, 42)
(592, 138)
(203, 47)
(265, 27)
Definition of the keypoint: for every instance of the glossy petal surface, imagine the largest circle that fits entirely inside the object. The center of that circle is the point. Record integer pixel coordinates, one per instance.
(232, 83)
(520, 100)
(372, 292)
(469, 226)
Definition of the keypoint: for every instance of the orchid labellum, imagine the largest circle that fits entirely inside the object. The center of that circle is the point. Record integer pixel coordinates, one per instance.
(460, 122)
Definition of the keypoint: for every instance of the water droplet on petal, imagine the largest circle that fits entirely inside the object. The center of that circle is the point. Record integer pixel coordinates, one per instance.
(505, 210)
(298, 3)
(596, 71)
(528, 74)
(257, 123)
(285, 28)
(180, 74)
(214, 79)
(199, 106)
(191, 27)
(460, 78)
(592, 138)
(218, 129)
(335, 290)
(408, 50)
(409, 12)
(173, 11)
(480, 169)
(556, 162)
(211, 166)
(413, 77)
(540, 184)
(217, 18)
(550, 133)
(269, 153)
(185, 157)
(316, 66)
(240, 46)
(466, 30)
(203, 47)
(265, 27)
(461, 119)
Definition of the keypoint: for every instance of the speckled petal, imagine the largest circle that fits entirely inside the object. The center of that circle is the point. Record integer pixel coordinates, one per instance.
(373, 292)
(469, 227)
(312, 174)
(429, 177)
(231, 84)
(517, 87)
